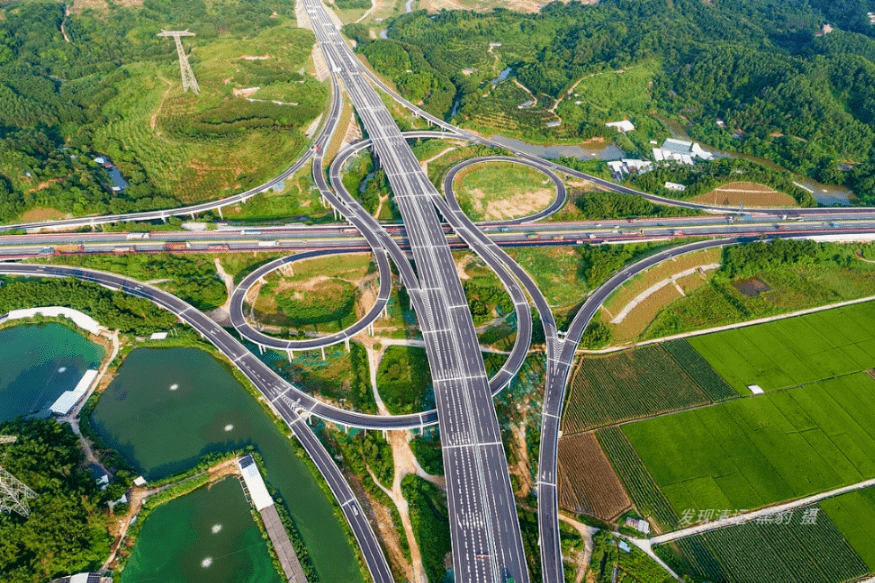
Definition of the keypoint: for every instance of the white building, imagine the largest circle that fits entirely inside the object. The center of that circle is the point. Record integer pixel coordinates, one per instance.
(261, 498)
(629, 165)
(622, 126)
(68, 399)
(680, 151)
(675, 186)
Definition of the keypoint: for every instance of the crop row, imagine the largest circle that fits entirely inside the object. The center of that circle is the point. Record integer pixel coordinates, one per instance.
(629, 385)
(790, 551)
(640, 485)
(698, 368)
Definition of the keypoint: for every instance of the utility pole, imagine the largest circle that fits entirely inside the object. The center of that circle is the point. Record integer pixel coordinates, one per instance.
(188, 80)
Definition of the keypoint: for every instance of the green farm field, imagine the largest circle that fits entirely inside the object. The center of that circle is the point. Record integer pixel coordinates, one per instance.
(854, 515)
(793, 351)
(639, 383)
(787, 552)
(757, 451)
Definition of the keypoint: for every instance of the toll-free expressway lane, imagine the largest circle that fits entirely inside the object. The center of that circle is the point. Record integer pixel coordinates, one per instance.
(485, 532)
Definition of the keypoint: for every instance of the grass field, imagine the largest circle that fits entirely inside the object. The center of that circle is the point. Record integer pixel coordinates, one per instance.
(792, 288)
(502, 190)
(322, 295)
(638, 383)
(793, 351)
(298, 201)
(791, 552)
(854, 515)
(736, 455)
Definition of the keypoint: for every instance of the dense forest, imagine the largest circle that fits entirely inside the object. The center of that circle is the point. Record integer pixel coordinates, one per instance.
(66, 530)
(75, 85)
(778, 87)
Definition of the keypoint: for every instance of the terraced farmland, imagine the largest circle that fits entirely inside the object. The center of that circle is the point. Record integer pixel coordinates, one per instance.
(748, 453)
(793, 351)
(787, 552)
(641, 382)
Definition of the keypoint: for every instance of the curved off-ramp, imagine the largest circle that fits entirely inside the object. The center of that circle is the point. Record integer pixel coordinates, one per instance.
(238, 297)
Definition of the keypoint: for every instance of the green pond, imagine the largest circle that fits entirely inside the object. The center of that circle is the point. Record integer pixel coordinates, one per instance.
(207, 536)
(38, 363)
(166, 408)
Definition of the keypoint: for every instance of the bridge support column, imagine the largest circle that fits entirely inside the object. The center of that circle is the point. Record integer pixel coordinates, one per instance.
(261, 349)
(385, 435)
(323, 352)
(371, 329)
(262, 281)
(291, 355)
(163, 219)
(221, 216)
(386, 312)
(192, 216)
(346, 342)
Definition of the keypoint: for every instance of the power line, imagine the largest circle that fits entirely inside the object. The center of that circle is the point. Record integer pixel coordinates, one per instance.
(188, 80)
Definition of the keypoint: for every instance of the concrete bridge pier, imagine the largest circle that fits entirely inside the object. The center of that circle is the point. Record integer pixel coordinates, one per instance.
(346, 343)
(221, 216)
(323, 352)
(291, 355)
(261, 349)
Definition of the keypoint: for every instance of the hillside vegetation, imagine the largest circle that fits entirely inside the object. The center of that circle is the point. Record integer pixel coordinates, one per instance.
(781, 91)
(100, 82)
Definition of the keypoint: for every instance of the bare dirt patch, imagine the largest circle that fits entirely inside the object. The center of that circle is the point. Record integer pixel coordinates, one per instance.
(528, 6)
(587, 482)
(40, 213)
(527, 203)
(751, 287)
(748, 194)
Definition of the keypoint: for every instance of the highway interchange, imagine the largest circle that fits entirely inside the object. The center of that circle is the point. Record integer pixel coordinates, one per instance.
(485, 531)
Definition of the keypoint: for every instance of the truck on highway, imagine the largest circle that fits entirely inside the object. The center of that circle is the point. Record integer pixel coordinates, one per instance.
(177, 246)
(135, 236)
(218, 248)
(268, 243)
(533, 236)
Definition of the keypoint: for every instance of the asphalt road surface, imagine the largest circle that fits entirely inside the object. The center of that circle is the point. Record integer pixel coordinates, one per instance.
(485, 531)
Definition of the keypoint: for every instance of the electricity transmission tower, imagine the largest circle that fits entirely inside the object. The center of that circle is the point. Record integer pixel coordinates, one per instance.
(188, 80)
(13, 493)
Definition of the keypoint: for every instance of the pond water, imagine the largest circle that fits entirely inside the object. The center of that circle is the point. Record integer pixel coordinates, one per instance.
(168, 407)
(504, 74)
(590, 151)
(208, 536)
(38, 363)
